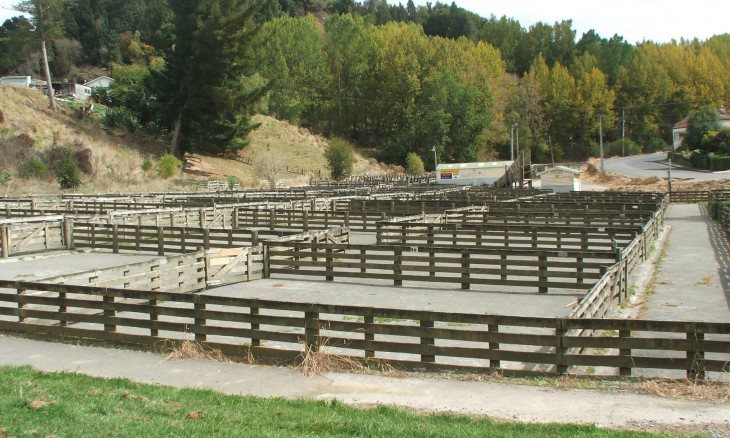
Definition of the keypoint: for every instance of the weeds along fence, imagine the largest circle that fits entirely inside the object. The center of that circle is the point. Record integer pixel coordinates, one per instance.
(412, 338)
(33, 234)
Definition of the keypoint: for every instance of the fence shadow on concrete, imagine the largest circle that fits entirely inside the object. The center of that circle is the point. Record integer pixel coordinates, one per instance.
(721, 248)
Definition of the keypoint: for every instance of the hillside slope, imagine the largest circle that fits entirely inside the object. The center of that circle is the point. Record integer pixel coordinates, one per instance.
(115, 158)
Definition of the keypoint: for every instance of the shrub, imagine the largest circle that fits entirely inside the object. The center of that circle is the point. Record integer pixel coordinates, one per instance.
(232, 182)
(68, 173)
(6, 177)
(33, 168)
(340, 158)
(121, 118)
(146, 165)
(414, 164)
(168, 166)
(657, 145)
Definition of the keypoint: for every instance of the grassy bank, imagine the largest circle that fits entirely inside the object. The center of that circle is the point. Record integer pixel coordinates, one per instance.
(70, 405)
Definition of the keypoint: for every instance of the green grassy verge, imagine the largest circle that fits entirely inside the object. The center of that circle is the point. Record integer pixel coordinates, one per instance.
(69, 405)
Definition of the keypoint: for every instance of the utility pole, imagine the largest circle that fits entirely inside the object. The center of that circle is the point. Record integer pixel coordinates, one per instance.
(600, 130)
(512, 143)
(623, 132)
(669, 179)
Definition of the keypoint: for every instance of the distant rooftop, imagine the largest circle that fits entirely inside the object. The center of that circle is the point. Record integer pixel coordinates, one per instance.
(487, 165)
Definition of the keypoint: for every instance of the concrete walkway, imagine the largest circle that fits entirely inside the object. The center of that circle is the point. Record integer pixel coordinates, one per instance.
(693, 282)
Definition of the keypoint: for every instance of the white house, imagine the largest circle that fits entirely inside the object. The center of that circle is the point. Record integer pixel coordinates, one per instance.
(83, 92)
(471, 173)
(16, 81)
(101, 81)
(679, 130)
(559, 179)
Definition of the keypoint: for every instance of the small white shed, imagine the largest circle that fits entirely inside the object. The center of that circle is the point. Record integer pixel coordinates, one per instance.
(83, 92)
(16, 81)
(471, 173)
(560, 179)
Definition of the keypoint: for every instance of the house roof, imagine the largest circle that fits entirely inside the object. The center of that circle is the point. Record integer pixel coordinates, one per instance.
(97, 80)
(559, 168)
(721, 115)
(484, 165)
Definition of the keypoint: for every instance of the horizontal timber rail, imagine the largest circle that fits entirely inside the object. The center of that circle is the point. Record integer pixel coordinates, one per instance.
(179, 240)
(413, 338)
(540, 269)
(509, 235)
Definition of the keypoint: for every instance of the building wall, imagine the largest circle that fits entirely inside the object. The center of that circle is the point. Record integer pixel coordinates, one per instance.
(16, 81)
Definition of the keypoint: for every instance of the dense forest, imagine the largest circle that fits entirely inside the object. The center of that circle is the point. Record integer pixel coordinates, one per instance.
(393, 78)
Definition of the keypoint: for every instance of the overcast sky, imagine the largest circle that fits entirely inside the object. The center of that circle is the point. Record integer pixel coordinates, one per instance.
(635, 20)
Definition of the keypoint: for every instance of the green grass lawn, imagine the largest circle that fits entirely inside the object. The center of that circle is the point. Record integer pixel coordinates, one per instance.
(69, 405)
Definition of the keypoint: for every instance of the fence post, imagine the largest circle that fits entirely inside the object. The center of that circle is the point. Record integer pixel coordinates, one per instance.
(109, 313)
(696, 369)
(115, 239)
(199, 319)
(369, 336)
(542, 273)
(311, 331)
(624, 354)
(201, 217)
(560, 350)
(21, 305)
(4, 245)
(465, 263)
(153, 317)
(266, 261)
(427, 343)
(305, 218)
(255, 341)
(493, 329)
(68, 239)
(206, 238)
(329, 269)
(160, 241)
(431, 252)
(234, 218)
(398, 266)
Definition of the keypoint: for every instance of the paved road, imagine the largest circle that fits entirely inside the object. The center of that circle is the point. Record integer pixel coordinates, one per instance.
(640, 166)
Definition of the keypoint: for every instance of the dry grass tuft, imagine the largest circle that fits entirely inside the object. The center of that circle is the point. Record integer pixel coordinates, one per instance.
(189, 349)
(195, 415)
(313, 361)
(687, 390)
(40, 403)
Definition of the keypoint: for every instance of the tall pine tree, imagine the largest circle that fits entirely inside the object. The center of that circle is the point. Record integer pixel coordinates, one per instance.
(202, 88)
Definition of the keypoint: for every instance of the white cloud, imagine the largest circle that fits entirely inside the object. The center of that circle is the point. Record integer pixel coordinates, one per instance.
(635, 20)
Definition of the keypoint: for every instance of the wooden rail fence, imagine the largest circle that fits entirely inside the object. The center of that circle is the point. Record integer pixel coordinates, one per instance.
(416, 338)
(542, 269)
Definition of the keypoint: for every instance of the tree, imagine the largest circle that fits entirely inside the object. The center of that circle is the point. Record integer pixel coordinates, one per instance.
(202, 86)
(290, 52)
(340, 158)
(414, 164)
(16, 43)
(46, 19)
(700, 122)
